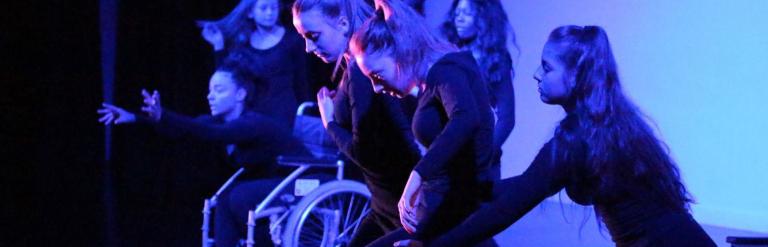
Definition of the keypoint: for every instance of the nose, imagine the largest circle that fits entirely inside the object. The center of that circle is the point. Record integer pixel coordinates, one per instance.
(209, 96)
(309, 46)
(377, 88)
(537, 74)
(460, 19)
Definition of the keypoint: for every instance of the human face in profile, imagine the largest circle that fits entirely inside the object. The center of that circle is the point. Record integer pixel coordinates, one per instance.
(554, 79)
(324, 36)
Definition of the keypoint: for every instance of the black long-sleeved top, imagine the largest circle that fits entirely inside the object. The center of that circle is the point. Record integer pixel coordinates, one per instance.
(373, 131)
(454, 120)
(257, 139)
(502, 97)
(283, 73)
(633, 216)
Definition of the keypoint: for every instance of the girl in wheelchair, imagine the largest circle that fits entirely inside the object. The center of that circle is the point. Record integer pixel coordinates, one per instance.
(250, 139)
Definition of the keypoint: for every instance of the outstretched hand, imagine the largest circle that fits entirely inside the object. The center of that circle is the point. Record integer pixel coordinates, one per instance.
(152, 105)
(115, 115)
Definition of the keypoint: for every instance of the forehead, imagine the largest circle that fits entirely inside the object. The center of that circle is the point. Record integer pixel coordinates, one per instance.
(266, 2)
(551, 51)
(221, 78)
(464, 4)
(310, 20)
(374, 61)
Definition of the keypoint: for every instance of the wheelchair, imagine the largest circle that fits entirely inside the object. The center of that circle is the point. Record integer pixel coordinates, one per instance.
(327, 214)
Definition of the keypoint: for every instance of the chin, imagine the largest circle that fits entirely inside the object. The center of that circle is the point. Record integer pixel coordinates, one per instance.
(545, 100)
(466, 36)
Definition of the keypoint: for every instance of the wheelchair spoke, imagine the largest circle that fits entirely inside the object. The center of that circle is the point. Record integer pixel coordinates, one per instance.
(333, 218)
(355, 224)
(348, 212)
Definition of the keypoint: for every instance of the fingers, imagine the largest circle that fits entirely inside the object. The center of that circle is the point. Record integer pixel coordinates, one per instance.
(322, 93)
(401, 243)
(408, 243)
(106, 119)
(151, 99)
(156, 98)
(147, 109)
(409, 220)
(408, 228)
(110, 113)
(407, 216)
(110, 107)
(405, 226)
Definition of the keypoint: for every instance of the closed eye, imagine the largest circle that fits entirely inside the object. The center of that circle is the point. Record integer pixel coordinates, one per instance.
(312, 36)
(546, 66)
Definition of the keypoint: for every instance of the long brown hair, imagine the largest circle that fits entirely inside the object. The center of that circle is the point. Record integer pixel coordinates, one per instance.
(620, 146)
(399, 29)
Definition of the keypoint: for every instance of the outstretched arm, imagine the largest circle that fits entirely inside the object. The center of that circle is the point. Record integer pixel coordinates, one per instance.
(111, 114)
(519, 195)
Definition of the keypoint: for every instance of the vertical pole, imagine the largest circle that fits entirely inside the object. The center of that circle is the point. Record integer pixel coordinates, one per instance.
(206, 222)
(251, 228)
(108, 29)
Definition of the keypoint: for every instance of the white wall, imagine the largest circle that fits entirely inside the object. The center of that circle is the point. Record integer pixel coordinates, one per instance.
(697, 68)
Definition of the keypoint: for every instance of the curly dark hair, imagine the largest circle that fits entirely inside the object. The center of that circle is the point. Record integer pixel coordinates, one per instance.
(237, 66)
(494, 31)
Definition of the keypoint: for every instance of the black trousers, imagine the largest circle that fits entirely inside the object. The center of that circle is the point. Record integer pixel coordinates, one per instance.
(442, 206)
(373, 226)
(231, 213)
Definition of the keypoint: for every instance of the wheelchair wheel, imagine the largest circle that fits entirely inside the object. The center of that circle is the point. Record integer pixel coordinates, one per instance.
(328, 216)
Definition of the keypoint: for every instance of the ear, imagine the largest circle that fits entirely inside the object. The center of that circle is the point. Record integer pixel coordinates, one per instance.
(570, 78)
(342, 23)
(241, 94)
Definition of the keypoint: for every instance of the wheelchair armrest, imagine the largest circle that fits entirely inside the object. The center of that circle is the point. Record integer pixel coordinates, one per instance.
(307, 160)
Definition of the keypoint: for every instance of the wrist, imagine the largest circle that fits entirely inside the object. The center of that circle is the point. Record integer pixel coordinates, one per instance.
(327, 122)
(131, 118)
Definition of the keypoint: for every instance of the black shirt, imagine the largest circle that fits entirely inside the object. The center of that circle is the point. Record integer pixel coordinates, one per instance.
(283, 73)
(257, 139)
(502, 98)
(454, 120)
(373, 131)
(631, 213)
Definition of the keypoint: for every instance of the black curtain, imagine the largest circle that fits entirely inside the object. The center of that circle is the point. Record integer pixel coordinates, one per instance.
(53, 180)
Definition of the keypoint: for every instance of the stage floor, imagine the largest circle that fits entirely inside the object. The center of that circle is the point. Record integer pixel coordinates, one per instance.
(551, 224)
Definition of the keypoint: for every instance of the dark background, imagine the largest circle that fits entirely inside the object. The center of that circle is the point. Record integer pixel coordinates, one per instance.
(57, 187)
